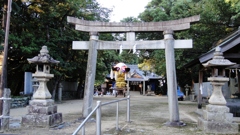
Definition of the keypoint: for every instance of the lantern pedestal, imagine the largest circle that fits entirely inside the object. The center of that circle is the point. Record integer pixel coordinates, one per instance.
(216, 118)
(217, 97)
(42, 91)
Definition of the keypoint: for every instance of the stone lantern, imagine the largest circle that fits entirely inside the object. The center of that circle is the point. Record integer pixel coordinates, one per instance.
(42, 112)
(218, 78)
(187, 89)
(42, 74)
(216, 118)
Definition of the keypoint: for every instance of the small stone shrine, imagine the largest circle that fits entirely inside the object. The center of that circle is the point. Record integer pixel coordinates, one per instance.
(216, 118)
(42, 112)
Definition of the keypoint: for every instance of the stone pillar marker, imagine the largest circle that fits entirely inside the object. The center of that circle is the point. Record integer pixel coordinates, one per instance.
(28, 83)
(42, 112)
(216, 118)
(60, 87)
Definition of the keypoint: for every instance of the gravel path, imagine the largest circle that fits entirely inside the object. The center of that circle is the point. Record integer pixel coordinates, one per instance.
(148, 115)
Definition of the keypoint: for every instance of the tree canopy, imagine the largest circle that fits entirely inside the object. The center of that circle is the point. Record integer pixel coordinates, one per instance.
(218, 18)
(36, 23)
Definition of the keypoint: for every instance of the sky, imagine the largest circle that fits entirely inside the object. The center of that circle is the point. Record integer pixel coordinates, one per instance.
(124, 8)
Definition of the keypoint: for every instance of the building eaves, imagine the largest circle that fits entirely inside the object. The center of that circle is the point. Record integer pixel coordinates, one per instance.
(224, 45)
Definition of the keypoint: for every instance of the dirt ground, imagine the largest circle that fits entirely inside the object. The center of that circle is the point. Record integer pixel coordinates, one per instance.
(148, 116)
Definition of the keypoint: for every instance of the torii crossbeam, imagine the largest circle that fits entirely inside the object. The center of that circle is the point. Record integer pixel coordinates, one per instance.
(128, 45)
(175, 25)
(130, 28)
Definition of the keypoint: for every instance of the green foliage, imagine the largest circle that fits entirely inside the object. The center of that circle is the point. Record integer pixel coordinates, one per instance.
(128, 57)
(218, 18)
(130, 19)
(235, 6)
(2, 35)
(36, 23)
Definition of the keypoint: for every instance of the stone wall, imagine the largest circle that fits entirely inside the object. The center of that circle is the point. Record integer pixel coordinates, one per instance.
(68, 95)
(69, 86)
(24, 101)
(19, 102)
(69, 90)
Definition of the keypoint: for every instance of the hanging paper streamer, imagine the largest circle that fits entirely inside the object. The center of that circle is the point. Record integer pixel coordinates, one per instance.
(120, 52)
(111, 74)
(201, 89)
(134, 49)
(116, 75)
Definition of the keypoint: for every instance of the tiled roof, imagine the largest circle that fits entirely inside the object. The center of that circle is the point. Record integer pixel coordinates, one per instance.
(138, 75)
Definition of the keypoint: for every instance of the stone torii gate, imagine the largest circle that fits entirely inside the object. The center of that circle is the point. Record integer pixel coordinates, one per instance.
(130, 28)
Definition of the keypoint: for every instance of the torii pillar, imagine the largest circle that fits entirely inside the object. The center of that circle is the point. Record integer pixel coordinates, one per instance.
(168, 44)
(171, 80)
(90, 74)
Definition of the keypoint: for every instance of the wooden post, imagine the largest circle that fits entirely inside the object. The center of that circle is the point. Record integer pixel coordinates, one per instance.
(3, 80)
(238, 78)
(6, 109)
(200, 89)
(144, 85)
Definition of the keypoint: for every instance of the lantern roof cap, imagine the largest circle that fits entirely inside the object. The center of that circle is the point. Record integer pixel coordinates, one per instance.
(43, 57)
(218, 60)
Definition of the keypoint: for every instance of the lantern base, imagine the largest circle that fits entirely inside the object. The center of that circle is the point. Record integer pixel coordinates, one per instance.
(42, 113)
(217, 119)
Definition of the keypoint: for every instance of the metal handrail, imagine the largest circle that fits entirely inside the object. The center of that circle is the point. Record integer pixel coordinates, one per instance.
(98, 115)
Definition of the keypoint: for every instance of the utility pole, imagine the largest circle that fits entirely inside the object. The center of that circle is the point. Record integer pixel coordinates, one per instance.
(3, 81)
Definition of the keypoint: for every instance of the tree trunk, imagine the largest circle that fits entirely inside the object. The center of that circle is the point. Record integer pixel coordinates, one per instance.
(54, 89)
(56, 83)
(80, 90)
(4, 14)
